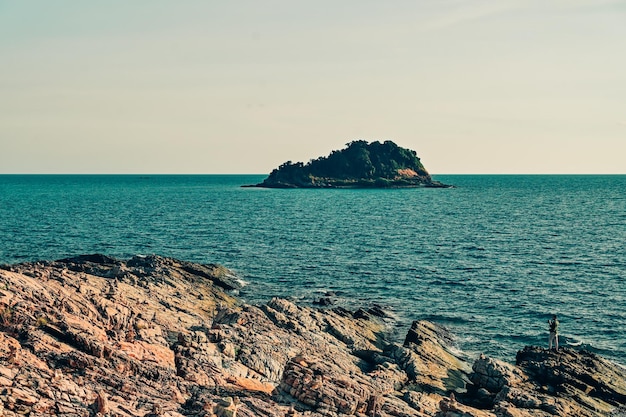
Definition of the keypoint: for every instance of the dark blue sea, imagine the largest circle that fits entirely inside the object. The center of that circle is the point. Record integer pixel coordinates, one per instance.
(491, 259)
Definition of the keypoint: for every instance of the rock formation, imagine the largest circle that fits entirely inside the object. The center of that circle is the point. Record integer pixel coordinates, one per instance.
(153, 336)
(359, 165)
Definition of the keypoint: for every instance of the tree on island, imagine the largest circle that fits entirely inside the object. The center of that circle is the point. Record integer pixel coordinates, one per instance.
(360, 164)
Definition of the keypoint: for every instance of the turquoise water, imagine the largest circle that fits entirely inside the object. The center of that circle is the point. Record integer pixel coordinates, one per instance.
(491, 259)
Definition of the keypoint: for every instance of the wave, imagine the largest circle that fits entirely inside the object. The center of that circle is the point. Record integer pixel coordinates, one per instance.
(445, 319)
(448, 283)
(581, 344)
(575, 342)
(474, 248)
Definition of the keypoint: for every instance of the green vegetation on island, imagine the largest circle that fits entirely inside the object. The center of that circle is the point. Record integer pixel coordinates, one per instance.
(359, 165)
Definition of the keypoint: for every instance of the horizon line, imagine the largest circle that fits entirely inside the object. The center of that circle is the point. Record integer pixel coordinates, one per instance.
(261, 174)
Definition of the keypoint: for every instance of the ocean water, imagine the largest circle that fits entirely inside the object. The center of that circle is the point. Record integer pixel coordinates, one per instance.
(491, 259)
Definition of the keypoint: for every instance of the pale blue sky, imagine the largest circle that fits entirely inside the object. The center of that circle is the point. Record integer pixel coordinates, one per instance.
(506, 86)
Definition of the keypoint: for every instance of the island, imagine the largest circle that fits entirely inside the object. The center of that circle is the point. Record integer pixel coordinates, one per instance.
(359, 165)
(153, 336)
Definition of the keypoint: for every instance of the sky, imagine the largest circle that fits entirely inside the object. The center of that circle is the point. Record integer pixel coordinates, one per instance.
(239, 87)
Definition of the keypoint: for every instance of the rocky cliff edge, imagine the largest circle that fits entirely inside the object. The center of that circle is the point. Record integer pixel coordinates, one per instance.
(154, 336)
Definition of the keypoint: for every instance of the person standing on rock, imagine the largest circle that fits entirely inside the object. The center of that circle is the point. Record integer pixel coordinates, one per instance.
(554, 333)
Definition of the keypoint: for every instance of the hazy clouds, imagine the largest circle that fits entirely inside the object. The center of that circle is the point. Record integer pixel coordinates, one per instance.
(240, 87)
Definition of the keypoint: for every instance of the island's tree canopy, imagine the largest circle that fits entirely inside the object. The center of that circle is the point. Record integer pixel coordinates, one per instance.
(359, 160)
(360, 164)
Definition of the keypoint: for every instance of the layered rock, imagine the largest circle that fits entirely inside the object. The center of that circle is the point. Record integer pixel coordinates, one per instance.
(545, 382)
(153, 336)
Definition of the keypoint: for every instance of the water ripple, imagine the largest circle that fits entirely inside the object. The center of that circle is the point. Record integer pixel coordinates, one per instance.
(491, 259)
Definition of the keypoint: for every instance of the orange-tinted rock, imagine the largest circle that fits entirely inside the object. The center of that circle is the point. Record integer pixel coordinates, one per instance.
(155, 336)
(142, 351)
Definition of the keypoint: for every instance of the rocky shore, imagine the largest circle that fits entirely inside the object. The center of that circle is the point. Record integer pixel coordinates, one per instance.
(154, 336)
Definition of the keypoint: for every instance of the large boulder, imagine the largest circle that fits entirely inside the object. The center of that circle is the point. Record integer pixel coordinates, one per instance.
(492, 374)
(580, 377)
(429, 359)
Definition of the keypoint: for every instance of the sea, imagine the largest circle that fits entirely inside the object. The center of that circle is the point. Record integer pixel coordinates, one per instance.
(490, 259)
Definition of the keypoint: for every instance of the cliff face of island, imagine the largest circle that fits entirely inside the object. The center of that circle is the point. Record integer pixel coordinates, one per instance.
(154, 336)
(359, 165)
